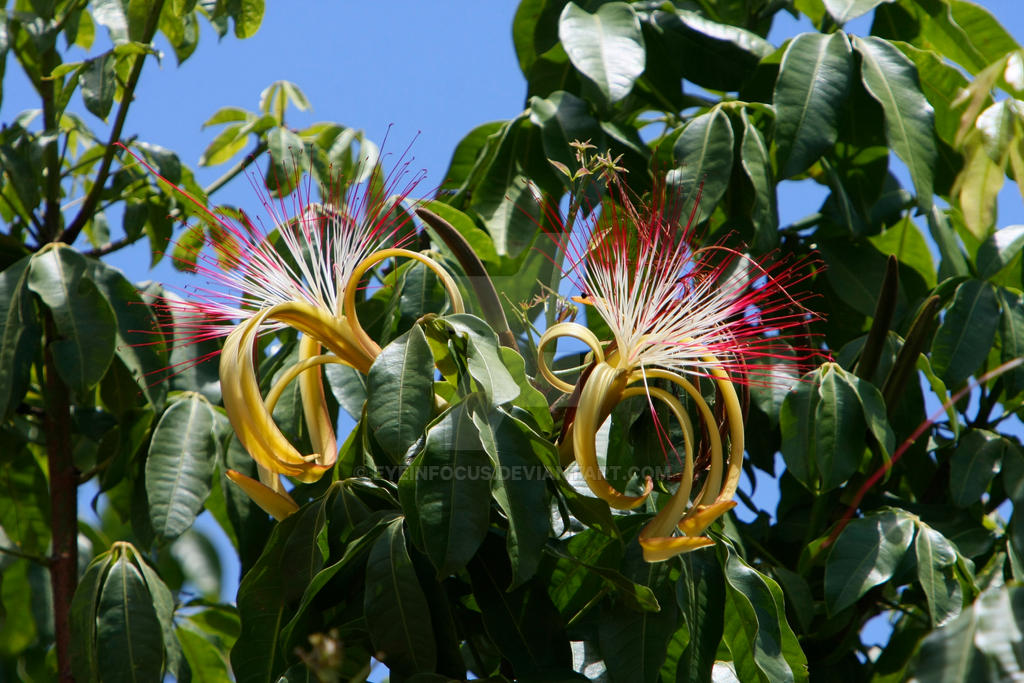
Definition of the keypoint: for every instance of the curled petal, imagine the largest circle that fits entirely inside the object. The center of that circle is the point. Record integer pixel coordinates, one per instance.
(370, 347)
(575, 331)
(599, 395)
(277, 504)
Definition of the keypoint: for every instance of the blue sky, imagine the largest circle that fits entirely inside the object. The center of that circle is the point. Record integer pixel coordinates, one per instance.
(427, 70)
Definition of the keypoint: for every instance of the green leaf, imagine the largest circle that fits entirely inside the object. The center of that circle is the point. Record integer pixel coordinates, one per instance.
(974, 463)
(139, 344)
(129, 638)
(814, 78)
(701, 594)
(83, 318)
(522, 623)
(892, 79)
(505, 197)
(484, 358)
(982, 644)
(704, 154)
(452, 491)
(757, 164)
(248, 17)
(19, 335)
(965, 336)
(756, 629)
(268, 592)
(844, 10)
(838, 428)
(227, 144)
(634, 644)
(84, 607)
(396, 609)
(110, 14)
(1001, 247)
(935, 559)
(519, 484)
(866, 554)
(99, 83)
(607, 46)
(180, 466)
(1011, 338)
(400, 392)
(479, 240)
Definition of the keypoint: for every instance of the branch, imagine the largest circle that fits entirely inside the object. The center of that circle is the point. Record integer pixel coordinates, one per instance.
(71, 233)
(243, 164)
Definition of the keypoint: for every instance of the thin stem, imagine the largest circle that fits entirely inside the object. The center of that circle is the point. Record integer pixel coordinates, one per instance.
(242, 164)
(14, 552)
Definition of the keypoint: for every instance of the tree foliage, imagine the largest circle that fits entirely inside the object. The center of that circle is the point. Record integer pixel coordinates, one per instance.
(511, 569)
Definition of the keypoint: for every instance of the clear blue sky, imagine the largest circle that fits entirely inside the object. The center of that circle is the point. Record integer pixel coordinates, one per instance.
(432, 69)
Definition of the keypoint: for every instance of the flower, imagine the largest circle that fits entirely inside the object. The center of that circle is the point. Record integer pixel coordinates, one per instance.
(681, 314)
(304, 272)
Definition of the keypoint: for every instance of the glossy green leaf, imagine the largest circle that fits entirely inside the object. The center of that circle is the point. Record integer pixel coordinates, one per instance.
(139, 345)
(1011, 336)
(396, 610)
(484, 358)
(964, 32)
(505, 197)
(180, 465)
(110, 14)
(464, 225)
(530, 399)
(814, 78)
(838, 429)
(704, 154)
(982, 644)
(81, 314)
(19, 335)
(700, 594)
(756, 630)
(84, 607)
(519, 484)
(207, 661)
(606, 46)
(757, 164)
(269, 590)
(905, 241)
(935, 559)
(965, 336)
(866, 554)
(1001, 247)
(128, 634)
(713, 55)
(974, 463)
(452, 490)
(634, 644)
(248, 17)
(99, 84)
(163, 604)
(844, 10)
(466, 160)
(399, 392)
(522, 623)
(909, 119)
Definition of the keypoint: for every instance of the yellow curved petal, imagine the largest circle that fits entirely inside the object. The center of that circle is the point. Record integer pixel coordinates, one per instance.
(348, 312)
(576, 331)
(277, 504)
(660, 549)
(703, 516)
(602, 388)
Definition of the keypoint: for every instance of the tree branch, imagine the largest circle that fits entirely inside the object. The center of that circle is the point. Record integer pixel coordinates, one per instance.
(71, 233)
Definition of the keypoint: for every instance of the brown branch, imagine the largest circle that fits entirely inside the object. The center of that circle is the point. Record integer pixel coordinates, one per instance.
(63, 503)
